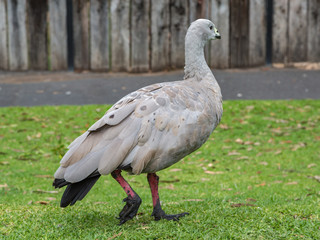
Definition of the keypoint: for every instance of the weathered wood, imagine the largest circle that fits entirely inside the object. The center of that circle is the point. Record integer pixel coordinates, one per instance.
(280, 31)
(298, 27)
(99, 35)
(179, 26)
(219, 50)
(58, 35)
(139, 40)
(239, 33)
(257, 33)
(120, 35)
(3, 37)
(140, 36)
(160, 45)
(81, 34)
(314, 31)
(17, 35)
(37, 34)
(198, 9)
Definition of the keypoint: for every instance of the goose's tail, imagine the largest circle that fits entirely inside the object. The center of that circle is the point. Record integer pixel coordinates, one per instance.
(75, 191)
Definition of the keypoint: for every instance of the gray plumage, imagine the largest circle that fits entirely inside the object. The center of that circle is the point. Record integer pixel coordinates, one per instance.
(156, 126)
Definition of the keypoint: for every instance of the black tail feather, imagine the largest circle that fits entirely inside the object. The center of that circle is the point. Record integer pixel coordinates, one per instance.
(59, 183)
(75, 191)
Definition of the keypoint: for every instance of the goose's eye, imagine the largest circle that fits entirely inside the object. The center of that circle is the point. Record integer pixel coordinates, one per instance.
(211, 27)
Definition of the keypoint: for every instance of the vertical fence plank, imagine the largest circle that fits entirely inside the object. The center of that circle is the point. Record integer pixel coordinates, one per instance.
(279, 31)
(120, 35)
(257, 33)
(239, 33)
(58, 35)
(198, 9)
(194, 10)
(17, 35)
(314, 31)
(160, 23)
(99, 35)
(140, 36)
(219, 51)
(179, 26)
(81, 34)
(298, 34)
(37, 34)
(3, 36)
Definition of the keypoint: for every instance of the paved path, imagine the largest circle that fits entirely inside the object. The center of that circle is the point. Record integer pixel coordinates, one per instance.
(68, 88)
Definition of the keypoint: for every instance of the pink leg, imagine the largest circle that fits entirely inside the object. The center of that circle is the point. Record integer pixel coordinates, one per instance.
(158, 213)
(116, 174)
(153, 180)
(133, 200)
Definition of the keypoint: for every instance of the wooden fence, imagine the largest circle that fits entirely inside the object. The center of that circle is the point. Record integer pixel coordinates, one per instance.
(296, 31)
(148, 35)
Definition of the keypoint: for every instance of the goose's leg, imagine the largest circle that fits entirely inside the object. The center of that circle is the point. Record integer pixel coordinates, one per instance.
(133, 200)
(158, 213)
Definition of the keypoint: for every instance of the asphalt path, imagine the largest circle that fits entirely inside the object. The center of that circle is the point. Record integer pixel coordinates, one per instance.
(68, 88)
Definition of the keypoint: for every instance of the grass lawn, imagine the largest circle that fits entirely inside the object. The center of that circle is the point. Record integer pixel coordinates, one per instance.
(257, 177)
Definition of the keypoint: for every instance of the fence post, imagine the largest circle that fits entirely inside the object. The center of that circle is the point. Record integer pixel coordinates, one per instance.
(257, 32)
(280, 31)
(160, 45)
(298, 31)
(179, 25)
(37, 34)
(219, 51)
(3, 36)
(314, 31)
(140, 36)
(239, 33)
(18, 48)
(99, 35)
(81, 34)
(58, 35)
(120, 35)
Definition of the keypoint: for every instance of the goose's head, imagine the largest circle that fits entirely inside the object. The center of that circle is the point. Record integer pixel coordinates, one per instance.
(205, 29)
(198, 34)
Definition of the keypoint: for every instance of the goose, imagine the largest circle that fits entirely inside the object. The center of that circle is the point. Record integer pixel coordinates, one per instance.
(147, 131)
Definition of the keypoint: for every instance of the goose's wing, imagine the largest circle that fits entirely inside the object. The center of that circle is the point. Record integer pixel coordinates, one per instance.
(138, 129)
(110, 138)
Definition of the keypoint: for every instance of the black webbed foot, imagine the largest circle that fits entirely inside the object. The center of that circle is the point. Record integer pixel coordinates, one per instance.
(130, 209)
(163, 215)
(158, 214)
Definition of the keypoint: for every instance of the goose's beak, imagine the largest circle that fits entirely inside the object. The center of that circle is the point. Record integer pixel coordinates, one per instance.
(217, 34)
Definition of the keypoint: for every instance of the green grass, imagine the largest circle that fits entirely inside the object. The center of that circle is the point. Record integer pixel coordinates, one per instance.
(255, 178)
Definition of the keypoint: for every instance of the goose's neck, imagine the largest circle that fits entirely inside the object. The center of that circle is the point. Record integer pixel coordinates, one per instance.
(195, 63)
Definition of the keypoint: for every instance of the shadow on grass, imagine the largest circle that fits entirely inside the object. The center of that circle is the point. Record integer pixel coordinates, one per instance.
(81, 219)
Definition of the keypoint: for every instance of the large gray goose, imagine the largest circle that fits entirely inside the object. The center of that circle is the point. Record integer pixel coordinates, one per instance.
(148, 130)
